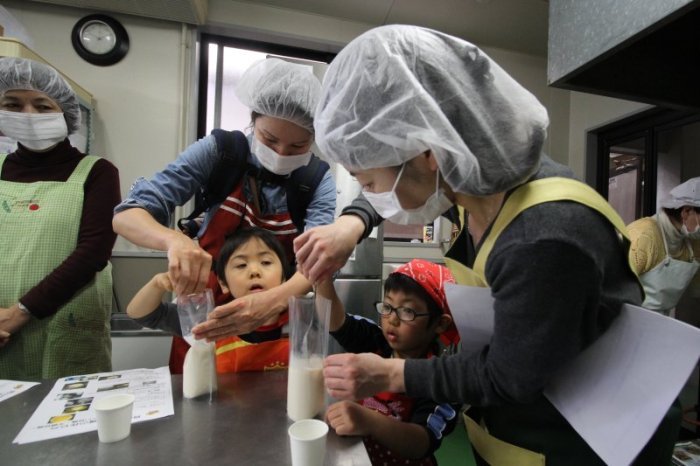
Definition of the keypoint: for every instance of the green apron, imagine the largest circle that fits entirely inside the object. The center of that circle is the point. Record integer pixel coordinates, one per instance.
(39, 225)
(510, 419)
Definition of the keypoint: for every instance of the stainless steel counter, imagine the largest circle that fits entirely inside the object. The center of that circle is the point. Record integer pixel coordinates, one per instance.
(246, 424)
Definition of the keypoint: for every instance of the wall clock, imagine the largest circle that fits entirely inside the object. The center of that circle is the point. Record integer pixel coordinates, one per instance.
(100, 40)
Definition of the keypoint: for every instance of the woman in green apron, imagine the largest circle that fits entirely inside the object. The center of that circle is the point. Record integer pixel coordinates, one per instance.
(425, 122)
(55, 232)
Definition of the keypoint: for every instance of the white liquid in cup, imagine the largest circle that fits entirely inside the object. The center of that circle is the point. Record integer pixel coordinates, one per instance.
(199, 371)
(305, 393)
(113, 414)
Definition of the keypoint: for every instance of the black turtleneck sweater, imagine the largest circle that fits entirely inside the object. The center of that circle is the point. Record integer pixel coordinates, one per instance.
(95, 236)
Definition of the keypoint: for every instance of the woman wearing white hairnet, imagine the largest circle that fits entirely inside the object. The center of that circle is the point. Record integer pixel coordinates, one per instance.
(665, 248)
(426, 121)
(282, 97)
(55, 232)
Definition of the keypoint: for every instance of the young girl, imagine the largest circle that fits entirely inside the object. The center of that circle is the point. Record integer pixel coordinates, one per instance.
(251, 261)
(415, 323)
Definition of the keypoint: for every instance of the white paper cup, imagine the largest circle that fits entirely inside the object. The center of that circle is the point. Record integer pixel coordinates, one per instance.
(114, 416)
(307, 439)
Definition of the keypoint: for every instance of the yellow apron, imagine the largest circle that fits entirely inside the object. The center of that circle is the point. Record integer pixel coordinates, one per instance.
(39, 225)
(492, 450)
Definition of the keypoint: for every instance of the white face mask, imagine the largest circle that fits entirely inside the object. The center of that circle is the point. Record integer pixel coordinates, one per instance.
(35, 131)
(387, 205)
(278, 164)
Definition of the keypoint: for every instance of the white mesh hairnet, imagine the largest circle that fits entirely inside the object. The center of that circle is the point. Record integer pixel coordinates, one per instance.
(21, 73)
(281, 89)
(397, 91)
(685, 194)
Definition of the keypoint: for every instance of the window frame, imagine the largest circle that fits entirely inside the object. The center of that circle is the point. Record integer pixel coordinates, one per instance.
(248, 44)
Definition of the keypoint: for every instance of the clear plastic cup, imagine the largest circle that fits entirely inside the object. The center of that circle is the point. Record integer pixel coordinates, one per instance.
(309, 317)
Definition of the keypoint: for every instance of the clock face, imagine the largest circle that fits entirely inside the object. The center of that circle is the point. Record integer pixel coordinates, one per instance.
(97, 37)
(100, 40)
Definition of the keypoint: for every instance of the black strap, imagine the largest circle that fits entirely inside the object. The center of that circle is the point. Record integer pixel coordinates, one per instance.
(233, 148)
(233, 151)
(301, 186)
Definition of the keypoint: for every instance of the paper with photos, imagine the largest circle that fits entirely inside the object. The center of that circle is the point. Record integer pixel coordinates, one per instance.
(67, 409)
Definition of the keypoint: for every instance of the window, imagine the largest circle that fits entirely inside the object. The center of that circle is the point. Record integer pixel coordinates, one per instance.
(223, 61)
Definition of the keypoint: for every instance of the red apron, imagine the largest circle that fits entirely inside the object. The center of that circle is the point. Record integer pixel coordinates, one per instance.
(399, 406)
(232, 353)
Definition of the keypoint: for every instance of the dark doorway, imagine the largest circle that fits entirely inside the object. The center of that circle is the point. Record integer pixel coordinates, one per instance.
(635, 161)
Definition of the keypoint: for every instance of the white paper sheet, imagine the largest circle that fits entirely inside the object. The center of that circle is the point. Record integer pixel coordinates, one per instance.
(10, 388)
(67, 409)
(617, 391)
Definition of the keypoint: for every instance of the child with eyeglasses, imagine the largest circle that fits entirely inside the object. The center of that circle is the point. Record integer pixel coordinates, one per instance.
(415, 322)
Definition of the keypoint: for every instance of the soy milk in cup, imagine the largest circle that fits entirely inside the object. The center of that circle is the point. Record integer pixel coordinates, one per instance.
(309, 318)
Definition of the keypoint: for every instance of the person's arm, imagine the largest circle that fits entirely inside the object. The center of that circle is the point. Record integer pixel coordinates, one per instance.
(145, 215)
(149, 296)
(406, 438)
(188, 264)
(245, 314)
(12, 319)
(323, 250)
(542, 322)
(439, 420)
(355, 376)
(361, 207)
(321, 209)
(93, 248)
(646, 244)
(327, 290)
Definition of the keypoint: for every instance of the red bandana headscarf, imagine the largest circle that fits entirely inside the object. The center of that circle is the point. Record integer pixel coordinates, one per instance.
(432, 277)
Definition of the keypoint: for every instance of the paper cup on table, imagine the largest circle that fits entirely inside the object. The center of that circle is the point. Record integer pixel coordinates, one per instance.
(114, 416)
(307, 439)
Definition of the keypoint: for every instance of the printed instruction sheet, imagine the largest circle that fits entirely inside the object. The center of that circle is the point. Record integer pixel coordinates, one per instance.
(66, 410)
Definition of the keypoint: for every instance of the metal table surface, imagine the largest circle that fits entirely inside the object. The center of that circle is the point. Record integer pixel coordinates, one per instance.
(246, 424)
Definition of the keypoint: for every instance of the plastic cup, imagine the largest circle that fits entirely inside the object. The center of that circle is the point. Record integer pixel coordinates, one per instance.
(193, 309)
(309, 318)
(114, 416)
(307, 439)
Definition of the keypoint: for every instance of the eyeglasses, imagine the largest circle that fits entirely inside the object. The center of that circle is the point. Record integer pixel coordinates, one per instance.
(405, 314)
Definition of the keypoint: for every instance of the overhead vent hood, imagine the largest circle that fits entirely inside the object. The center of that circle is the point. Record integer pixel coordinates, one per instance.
(182, 11)
(641, 50)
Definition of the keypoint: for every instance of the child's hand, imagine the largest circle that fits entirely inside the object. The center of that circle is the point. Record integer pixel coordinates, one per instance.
(349, 418)
(162, 281)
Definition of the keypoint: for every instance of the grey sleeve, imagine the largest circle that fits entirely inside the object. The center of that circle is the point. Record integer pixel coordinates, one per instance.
(543, 319)
(559, 275)
(164, 317)
(361, 207)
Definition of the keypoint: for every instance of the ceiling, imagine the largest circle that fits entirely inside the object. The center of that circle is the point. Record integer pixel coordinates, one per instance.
(519, 25)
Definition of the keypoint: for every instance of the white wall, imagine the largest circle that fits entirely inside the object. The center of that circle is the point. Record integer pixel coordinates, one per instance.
(531, 72)
(590, 111)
